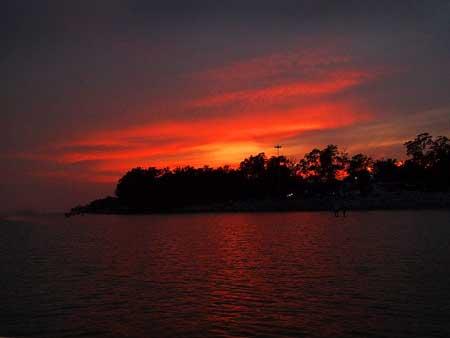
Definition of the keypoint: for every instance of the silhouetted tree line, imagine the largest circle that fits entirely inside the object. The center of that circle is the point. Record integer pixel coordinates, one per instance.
(321, 171)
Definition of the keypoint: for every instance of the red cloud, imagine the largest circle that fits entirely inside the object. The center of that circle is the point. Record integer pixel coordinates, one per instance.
(233, 124)
(202, 141)
(274, 66)
(332, 83)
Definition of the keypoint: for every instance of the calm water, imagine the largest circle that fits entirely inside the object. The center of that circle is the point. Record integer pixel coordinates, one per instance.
(372, 274)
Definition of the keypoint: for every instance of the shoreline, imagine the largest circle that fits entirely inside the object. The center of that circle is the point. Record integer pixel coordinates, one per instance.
(384, 201)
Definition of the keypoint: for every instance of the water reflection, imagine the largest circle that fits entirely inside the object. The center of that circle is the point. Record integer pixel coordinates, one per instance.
(227, 275)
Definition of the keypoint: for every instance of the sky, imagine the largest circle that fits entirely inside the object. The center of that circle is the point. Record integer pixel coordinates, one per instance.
(93, 88)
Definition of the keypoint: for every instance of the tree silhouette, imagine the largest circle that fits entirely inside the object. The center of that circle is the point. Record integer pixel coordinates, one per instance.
(420, 150)
(254, 167)
(387, 170)
(137, 186)
(359, 163)
(359, 170)
(428, 166)
(323, 164)
(258, 177)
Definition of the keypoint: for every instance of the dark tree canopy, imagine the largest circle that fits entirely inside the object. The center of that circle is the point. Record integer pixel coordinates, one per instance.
(320, 167)
(260, 177)
(428, 166)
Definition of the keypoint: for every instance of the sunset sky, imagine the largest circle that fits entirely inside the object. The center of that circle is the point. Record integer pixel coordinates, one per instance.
(93, 88)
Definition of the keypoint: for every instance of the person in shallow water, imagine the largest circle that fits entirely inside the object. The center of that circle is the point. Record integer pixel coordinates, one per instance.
(340, 206)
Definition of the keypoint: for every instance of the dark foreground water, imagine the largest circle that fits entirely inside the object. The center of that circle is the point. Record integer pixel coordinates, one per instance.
(372, 274)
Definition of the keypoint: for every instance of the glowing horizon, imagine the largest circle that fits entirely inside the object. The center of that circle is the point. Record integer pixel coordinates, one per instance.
(110, 88)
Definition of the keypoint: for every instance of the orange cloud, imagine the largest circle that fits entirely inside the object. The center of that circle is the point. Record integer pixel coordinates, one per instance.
(331, 84)
(223, 128)
(210, 141)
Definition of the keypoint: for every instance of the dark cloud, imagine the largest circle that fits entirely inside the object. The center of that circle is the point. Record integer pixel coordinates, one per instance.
(34, 21)
(72, 68)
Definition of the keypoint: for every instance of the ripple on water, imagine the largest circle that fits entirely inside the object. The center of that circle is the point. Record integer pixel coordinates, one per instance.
(372, 274)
